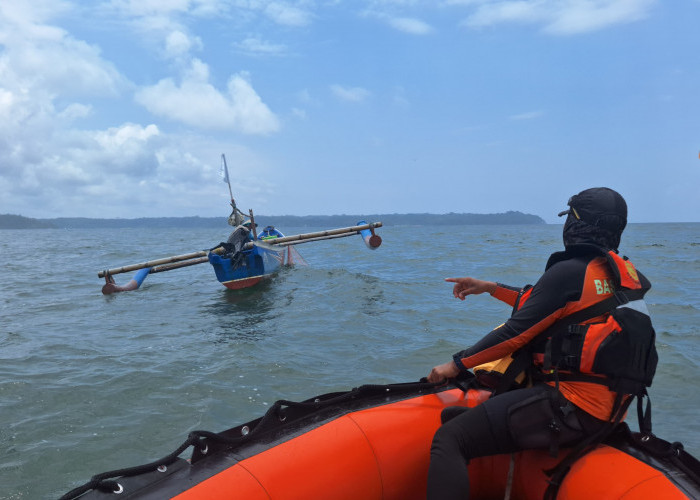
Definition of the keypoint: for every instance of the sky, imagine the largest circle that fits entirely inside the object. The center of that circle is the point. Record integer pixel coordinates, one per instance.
(123, 108)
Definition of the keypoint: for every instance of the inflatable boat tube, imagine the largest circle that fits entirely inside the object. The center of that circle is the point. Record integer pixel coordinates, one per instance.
(373, 442)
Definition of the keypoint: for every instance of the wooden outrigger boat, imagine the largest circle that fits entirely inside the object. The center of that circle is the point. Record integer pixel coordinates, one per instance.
(269, 250)
(246, 258)
(373, 442)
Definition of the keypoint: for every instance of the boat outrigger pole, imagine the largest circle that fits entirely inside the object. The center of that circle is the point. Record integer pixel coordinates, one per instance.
(365, 230)
(153, 263)
(154, 266)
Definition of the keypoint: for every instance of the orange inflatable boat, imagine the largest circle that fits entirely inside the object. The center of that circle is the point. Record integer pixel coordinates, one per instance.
(373, 442)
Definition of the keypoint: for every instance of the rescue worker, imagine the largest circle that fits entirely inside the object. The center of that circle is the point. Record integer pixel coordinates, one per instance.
(544, 415)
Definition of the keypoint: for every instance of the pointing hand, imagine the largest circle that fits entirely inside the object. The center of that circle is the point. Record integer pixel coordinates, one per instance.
(470, 286)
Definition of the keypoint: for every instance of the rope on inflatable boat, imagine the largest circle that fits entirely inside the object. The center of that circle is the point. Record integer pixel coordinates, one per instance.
(106, 481)
(660, 449)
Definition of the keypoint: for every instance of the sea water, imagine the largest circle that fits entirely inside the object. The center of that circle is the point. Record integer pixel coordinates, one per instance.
(90, 383)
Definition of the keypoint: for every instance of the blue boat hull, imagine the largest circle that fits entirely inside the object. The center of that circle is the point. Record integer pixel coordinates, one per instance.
(254, 264)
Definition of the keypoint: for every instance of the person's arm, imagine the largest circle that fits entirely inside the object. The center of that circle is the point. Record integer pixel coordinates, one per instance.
(507, 294)
(472, 286)
(560, 284)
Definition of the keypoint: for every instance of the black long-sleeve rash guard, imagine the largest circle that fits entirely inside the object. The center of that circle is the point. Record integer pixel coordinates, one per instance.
(562, 283)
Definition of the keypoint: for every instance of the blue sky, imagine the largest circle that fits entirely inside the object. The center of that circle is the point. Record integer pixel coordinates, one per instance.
(123, 108)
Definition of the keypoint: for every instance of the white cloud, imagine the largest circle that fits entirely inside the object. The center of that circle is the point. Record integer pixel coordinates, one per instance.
(582, 17)
(117, 138)
(126, 150)
(288, 15)
(163, 24)
(46, 77)
(195, 102)
(158, 13)
(524, 11)
(51, 165)
(411, 25)
(49, 168)
(31, 13)
(44, 153)
(45, 57)
(256, 46)
(75, 111)
(394, 13)
(149, 8)
(179, 44)
(560, 17)
(352, 94)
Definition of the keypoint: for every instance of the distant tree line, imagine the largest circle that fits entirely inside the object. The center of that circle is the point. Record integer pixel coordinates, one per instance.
(424, 219)
(9, 221)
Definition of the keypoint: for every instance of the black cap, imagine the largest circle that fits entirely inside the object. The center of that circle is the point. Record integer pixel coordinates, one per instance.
(601, 207)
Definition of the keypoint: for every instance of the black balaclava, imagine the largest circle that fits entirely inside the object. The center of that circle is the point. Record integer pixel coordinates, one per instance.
(596, 216)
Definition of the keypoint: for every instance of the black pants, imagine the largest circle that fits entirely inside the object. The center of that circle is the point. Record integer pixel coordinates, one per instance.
(513, 421)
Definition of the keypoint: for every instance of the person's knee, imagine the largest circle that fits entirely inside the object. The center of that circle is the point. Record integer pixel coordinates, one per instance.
(441, 436)
(451, 412)
(446, 441)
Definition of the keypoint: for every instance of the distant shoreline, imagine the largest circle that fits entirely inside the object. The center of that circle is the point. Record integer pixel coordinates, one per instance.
(9, 221)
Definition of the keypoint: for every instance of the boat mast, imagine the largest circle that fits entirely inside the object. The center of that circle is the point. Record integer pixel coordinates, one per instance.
(224, 173)
(236, 217)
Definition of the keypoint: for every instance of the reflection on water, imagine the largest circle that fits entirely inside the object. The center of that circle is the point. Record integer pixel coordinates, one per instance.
(242, 314)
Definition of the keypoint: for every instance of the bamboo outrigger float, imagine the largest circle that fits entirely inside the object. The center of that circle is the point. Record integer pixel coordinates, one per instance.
(246, 258)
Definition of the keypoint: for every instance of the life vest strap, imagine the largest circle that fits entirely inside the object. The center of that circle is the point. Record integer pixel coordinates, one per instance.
(559, 471)
(573, 320)
(557, 375)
